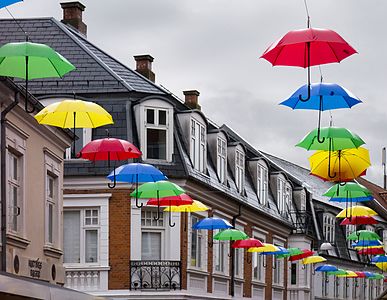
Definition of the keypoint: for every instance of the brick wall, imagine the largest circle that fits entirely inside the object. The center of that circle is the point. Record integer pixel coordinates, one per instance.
(269, 271)
(209, 258)
(247, 266)
(184, 249)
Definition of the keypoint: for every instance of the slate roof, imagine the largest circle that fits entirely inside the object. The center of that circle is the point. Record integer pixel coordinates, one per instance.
(96, 72)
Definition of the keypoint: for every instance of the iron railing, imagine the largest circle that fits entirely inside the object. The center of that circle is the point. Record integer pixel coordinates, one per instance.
(155, 275)
(302, 222)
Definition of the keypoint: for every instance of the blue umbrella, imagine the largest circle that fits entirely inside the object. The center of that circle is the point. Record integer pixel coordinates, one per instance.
(326, 268)
(4, 3)
(282, 250)
(136, 173)
(369, 274)
(379, 259)
(367, 243)
(212, 223)
(324, 96)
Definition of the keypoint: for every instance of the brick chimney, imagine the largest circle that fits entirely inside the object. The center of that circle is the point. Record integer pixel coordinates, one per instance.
(72, 15)
(144, 66)
(192, 99)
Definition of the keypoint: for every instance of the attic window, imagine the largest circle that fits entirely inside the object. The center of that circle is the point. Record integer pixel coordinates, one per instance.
(239, 169)
(156, 133)
(329, 224)
(262, 182)
(221, 159)
(198, 145)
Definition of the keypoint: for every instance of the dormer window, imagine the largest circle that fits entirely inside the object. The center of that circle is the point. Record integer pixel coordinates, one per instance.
(262, 182)
(156, 133)
(221, 159)
(281, 195)
(239, 169)
(198, 145)
(329, 223)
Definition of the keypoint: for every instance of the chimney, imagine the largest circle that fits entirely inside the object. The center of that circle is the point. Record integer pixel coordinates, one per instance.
(144, 66)
(191, 99)
(72, 15)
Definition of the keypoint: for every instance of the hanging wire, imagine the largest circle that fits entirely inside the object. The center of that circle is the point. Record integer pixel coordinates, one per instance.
(321, 75)
(307, 14)
(17, 22)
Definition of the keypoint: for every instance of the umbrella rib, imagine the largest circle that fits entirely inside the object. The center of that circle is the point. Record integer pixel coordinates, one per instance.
(279, 53)
(55, 68)
(329, 44)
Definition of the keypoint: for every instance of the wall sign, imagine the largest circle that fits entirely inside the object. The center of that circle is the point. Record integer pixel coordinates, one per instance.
(35, 267)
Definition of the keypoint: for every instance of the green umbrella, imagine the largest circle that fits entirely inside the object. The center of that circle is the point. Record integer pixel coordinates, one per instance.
(28, 60)
(230, 235)
(292, 251)
(350, 190)
(376, 276)
(334, 138)
(158, 189)
(338, 272)
(364, 235)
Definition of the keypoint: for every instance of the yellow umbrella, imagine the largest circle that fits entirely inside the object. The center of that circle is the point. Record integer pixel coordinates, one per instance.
(195, 206)
(266, 248)
(382, 266)
(350, 274)
(368, 247)
(356, 211)
(74, 114)
(313, 259)
(341, 165)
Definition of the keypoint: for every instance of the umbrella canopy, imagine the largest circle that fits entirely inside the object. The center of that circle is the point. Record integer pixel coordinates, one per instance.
(364, 220)
(212, 224)
(338, 272)
(247, 243)
(382, 266)
(4, 3)
(379, 259)
(194, 207)
(350, 274)
(182, 199)
(365, 235)
(74, 114)
(282, 252)
(366, 243)
(360, 274)
(266, 248)
(326, 268)
(313, 259)
(230, 235)
(109, 149)
(42, 61)
(325, 46)
(305, 253)
(356, 211)
(376, 276)
(136, 173)
(371, 251)
(334, 138)
(342, 165)
(369, 247)
(350, 191)
(323, 96)
(368, 274)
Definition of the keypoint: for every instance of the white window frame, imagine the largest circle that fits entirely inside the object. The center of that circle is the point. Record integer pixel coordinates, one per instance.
(156, 126)
(239, 169)
(15, 211)
(155, 228)
(278, 272)
(220, 251)
(221, 158)
(83, 229)
(329, 224)
(198, 144)
(262, 182)
(200, 248)
(239, 258)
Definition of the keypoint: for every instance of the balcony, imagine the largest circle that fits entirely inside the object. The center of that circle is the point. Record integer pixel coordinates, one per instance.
(155, 275)
(302, 222)
(86, 279)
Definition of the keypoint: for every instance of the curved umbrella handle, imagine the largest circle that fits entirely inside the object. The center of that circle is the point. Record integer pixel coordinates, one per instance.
(275, 264)
(112, 186)
(342, 183)
(158, 208)
(170, 217)
(248, 258)
(303, 267)
(319, 139)
(329, 162)
(27, 95)
(308, 97)
(138, 205)
(264, 262)
(313, 271)
(319, 123)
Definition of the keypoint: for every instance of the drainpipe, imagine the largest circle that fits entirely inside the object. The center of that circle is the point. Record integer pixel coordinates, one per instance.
(3, 192)
(232, 252)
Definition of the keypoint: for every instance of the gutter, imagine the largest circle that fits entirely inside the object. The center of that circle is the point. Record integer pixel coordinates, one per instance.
(232, 252)
(314, 218)
(3, 189)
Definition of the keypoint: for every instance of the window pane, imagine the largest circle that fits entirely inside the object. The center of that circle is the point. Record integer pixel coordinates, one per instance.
(162, 117)
(151, 246)
(91, 246)
(293, 274)
(71, 236)
(79, 141)
(15, 169)
(50, 222)
(50, 187)
(156, 143)
(150, 116)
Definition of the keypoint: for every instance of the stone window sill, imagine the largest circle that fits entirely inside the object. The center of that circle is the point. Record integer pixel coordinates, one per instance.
(52, 251)
(17, 241)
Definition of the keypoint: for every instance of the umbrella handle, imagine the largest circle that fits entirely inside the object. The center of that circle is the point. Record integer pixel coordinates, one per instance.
(210, 244)
(303, 267)
(275, 264)
(170, 217)
(264, 262)
(137, 205)
(27, 95)
(158, 208)
(319, 124)
(313, 271)
(329, 162)
(308, 97)
(112, 186)
(342, 183)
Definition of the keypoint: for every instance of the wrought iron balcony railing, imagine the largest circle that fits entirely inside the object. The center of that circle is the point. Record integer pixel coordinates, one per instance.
(302, 222)
(155, 275)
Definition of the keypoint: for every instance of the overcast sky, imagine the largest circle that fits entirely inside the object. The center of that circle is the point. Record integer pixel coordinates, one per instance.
(214, 46)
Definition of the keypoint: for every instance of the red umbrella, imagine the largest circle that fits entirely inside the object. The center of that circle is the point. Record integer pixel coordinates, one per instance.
(360, 274)
(306, 253)
(182, 199)
(248, 243)
(308, 47)
(109, 149)
(363, 220)
(371, 251)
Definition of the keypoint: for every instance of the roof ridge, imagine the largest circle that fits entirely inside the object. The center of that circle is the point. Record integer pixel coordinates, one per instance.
(70, 32)
(73, 31)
